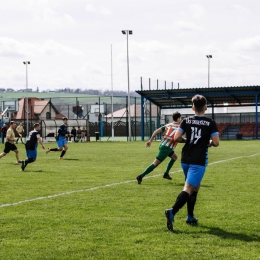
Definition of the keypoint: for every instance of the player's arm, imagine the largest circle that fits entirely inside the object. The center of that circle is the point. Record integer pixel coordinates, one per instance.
(178, 137)
(40, 141)
(214, 141)
(156, 132)
(214, 135)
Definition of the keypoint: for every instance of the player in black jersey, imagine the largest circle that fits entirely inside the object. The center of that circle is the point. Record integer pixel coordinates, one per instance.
(31, 145)
(201, 133)
(61, 139)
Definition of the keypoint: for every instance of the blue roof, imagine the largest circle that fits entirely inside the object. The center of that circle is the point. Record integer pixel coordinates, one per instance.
(164, 98)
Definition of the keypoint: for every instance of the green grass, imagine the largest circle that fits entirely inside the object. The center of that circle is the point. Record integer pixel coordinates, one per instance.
(99, 211)
(64, 97)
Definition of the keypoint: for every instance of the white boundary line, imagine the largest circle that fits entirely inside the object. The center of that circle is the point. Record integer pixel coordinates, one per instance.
(107, 185)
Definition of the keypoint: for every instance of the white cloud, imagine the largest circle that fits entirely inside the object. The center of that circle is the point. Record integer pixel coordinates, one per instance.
(241, 9)
(11, 48)
(55, 19)
(90, 8)
(197, 11)
(182, 27)
(105, 11)
(15, 49)
(90, 68)
(102, 10)
(248, 44)
(53, 48)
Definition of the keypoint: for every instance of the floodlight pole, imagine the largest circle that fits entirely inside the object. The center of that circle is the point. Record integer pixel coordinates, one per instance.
(209, 57)
(129, 115)
(112, 99)
(27, 107)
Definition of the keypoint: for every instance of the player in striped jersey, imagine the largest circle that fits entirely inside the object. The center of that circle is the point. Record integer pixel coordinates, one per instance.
(166, 148)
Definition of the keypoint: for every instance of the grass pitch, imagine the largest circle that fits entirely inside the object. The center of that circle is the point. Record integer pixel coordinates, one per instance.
(89, 205)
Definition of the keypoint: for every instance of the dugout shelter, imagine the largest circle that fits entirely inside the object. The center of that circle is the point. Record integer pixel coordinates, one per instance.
(217, 97)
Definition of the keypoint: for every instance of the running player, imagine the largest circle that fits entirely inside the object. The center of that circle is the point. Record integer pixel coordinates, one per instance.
(61, 140)
(166, 147)
(31, 145)
(19, 130)
(9, 144)
(201, 133)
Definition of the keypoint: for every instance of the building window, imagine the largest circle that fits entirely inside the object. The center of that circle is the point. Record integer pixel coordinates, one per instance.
(48, 115)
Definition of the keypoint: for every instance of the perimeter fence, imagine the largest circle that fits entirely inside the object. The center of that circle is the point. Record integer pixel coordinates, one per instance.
(96, 114)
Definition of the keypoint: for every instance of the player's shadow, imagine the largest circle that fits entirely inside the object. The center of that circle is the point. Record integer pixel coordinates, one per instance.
(70, 159)
(216, 231)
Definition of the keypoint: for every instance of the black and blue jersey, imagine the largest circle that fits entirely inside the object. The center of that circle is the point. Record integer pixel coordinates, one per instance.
(63, 130)
(199, 130)
(32, 140)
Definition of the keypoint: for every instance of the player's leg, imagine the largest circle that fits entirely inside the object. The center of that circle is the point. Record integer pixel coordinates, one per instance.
(190, 208)
(14, 148)
(149, 169)
(173, 157)
(60, 146)
(181, 199)
(162, 154)
(194, 177)
(3, 154)
(17, 156)
(31, 157)
(6, 150)
(65, 148)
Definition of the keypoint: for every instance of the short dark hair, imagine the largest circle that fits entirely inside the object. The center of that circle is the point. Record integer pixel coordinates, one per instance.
(11, 122)
(176, 116)
(35, 125)
(64, 118)
(199, 102)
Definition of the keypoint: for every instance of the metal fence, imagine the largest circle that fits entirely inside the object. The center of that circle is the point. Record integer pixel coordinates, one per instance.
(93, 113)
(80, 113)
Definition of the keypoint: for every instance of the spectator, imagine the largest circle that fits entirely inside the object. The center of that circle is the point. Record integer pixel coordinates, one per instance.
(83, 134)
(3, 131)
(73, 133)
(78, 134)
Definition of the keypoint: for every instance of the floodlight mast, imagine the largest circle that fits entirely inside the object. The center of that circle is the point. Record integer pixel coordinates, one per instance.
(112, 99)
(129, 114)
(27, 107)
(209, 57)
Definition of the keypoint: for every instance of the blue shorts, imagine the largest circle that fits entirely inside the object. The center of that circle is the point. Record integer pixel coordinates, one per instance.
(32, 154)
(193, 173)
(61, 142)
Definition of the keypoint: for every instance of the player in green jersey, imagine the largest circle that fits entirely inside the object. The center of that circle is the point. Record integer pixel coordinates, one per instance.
(166, 148)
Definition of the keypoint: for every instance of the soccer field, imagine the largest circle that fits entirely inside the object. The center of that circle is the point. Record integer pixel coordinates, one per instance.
(89, 205)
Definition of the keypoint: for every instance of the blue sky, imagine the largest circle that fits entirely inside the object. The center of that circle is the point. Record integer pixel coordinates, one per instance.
(68, 43)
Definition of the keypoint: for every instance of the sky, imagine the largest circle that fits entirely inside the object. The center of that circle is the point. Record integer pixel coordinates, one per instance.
(79, 44)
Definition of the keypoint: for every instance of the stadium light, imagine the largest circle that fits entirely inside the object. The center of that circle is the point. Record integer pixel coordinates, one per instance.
(209, 57)
(27, 108)
(129, 116)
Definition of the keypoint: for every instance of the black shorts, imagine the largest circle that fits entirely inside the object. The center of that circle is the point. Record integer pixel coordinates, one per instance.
(9, 147)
